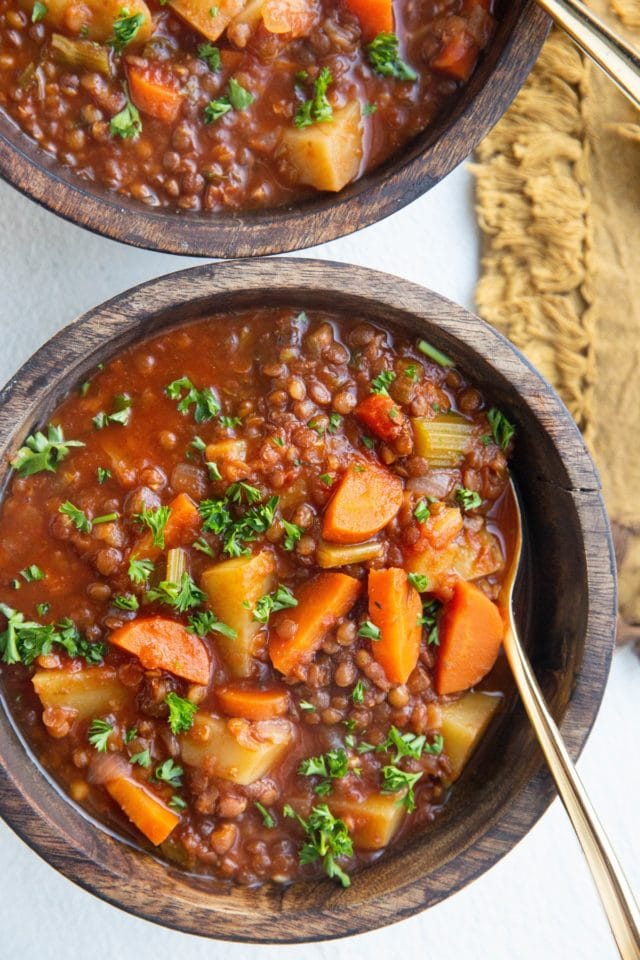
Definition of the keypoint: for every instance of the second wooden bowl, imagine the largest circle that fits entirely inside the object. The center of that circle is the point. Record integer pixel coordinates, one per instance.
(567, 615)
(522, 28)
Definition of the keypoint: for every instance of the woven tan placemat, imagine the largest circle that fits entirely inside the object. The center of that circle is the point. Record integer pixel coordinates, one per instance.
(558, 203)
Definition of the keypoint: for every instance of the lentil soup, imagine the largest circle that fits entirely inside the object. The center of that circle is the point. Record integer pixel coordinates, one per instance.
(243, 105)
(248, 584)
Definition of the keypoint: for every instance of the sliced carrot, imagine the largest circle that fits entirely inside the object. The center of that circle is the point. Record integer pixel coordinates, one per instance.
(148, 812)
(382, 416)
(251, 702)
(163, 644)
(366, 500)
(154, 91)
(457, 57)
(181, 530)
(471, 632)
(375, 16)
(395, 607)
(321, 603)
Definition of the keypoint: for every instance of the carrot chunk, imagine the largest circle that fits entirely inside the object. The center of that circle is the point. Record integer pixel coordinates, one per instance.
(375, 16)
(395, 608)
(321, 603)
(160, 643)
(251, 702)
(149, 813)
(366, 500)
(382, 416)
(181, 529)
(458, 57)
(471, 632)
(153, 90)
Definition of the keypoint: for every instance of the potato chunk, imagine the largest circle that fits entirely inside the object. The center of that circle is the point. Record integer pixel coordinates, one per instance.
(372, 822)
(94, 19)
(470, 556)
(235, 749)
(92, 692)
(229, 586)
(197, 13)
(327, 155)
(463, 723)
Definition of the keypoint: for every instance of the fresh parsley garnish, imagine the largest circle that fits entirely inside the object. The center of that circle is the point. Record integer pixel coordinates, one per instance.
(99, 733)
(210, 55)
(181, 596)
(217, 517)
(293, 533)
(384, 57)
(103, 475)
(181, 713)
(419, 581)
(429, 619)
(468, 499)
(143, 758)
(43, 452)
(332, 765)
(23, 640)
(380, 383)
(169, 772)
(126, 601)
(421, 511)
(125, 29)
(32, 573)
(357, 694)
(205, 621)
(317, 109)
(140, 570)
(502, 429)
(394, 780)
(369, 630)
(279, 599)
(237, 98)
(205, 402)
(155, 519)
(77, 516)
(127, 123)
(267, 818)
(327, 838)
(39, 11)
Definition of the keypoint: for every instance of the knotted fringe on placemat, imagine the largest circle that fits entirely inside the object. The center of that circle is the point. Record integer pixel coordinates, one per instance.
(558, 203)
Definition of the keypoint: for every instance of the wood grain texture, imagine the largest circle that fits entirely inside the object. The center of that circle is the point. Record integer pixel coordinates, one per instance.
(567, 608)
(503, 69)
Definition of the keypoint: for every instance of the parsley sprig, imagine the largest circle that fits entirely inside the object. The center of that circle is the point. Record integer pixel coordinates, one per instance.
(23, 640)
(205, 402)
(181, 596)
(317, 109)
(205, 621)
(237, 531)
(280, 599)
(327, 838)
(99, 733)
(43, 452)
(384, 57)
(181, 713)
(332, 765)
(155, 519)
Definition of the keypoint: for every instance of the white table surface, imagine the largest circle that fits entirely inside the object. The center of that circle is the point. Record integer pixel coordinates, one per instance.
(538, 902)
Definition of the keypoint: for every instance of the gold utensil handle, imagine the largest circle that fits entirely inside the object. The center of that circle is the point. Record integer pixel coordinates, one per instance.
(615, 892)
(619, 60)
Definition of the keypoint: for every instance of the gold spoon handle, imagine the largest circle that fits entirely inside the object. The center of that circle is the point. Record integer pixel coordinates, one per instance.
(619, 60)
(615, 892)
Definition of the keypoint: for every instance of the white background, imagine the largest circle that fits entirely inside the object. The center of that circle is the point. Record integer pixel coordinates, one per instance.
(536, 903)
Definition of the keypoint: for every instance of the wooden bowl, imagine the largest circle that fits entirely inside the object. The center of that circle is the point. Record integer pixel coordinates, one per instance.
(408, 174)
(567, 616)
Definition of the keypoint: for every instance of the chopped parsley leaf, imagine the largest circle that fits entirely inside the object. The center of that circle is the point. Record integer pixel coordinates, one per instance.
(326, 839)
(293, 533)
(181, 596)
(369, 630)
(140, 570)
(384, 57)
(181, 713)
(380, 383)
(205, 621)
(78, 517)
(99, 733)
(205, 401)
(317, 109)
(267, 818)
(502, 429)
(155, 519)
(279, 599)
(468, 499)
(43, 452)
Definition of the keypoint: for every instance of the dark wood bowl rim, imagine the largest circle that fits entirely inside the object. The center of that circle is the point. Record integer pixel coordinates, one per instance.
(377, 195)
(29, 801)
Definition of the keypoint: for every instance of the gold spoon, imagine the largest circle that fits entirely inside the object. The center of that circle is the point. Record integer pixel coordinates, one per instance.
(613, 888)
(619, 60)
